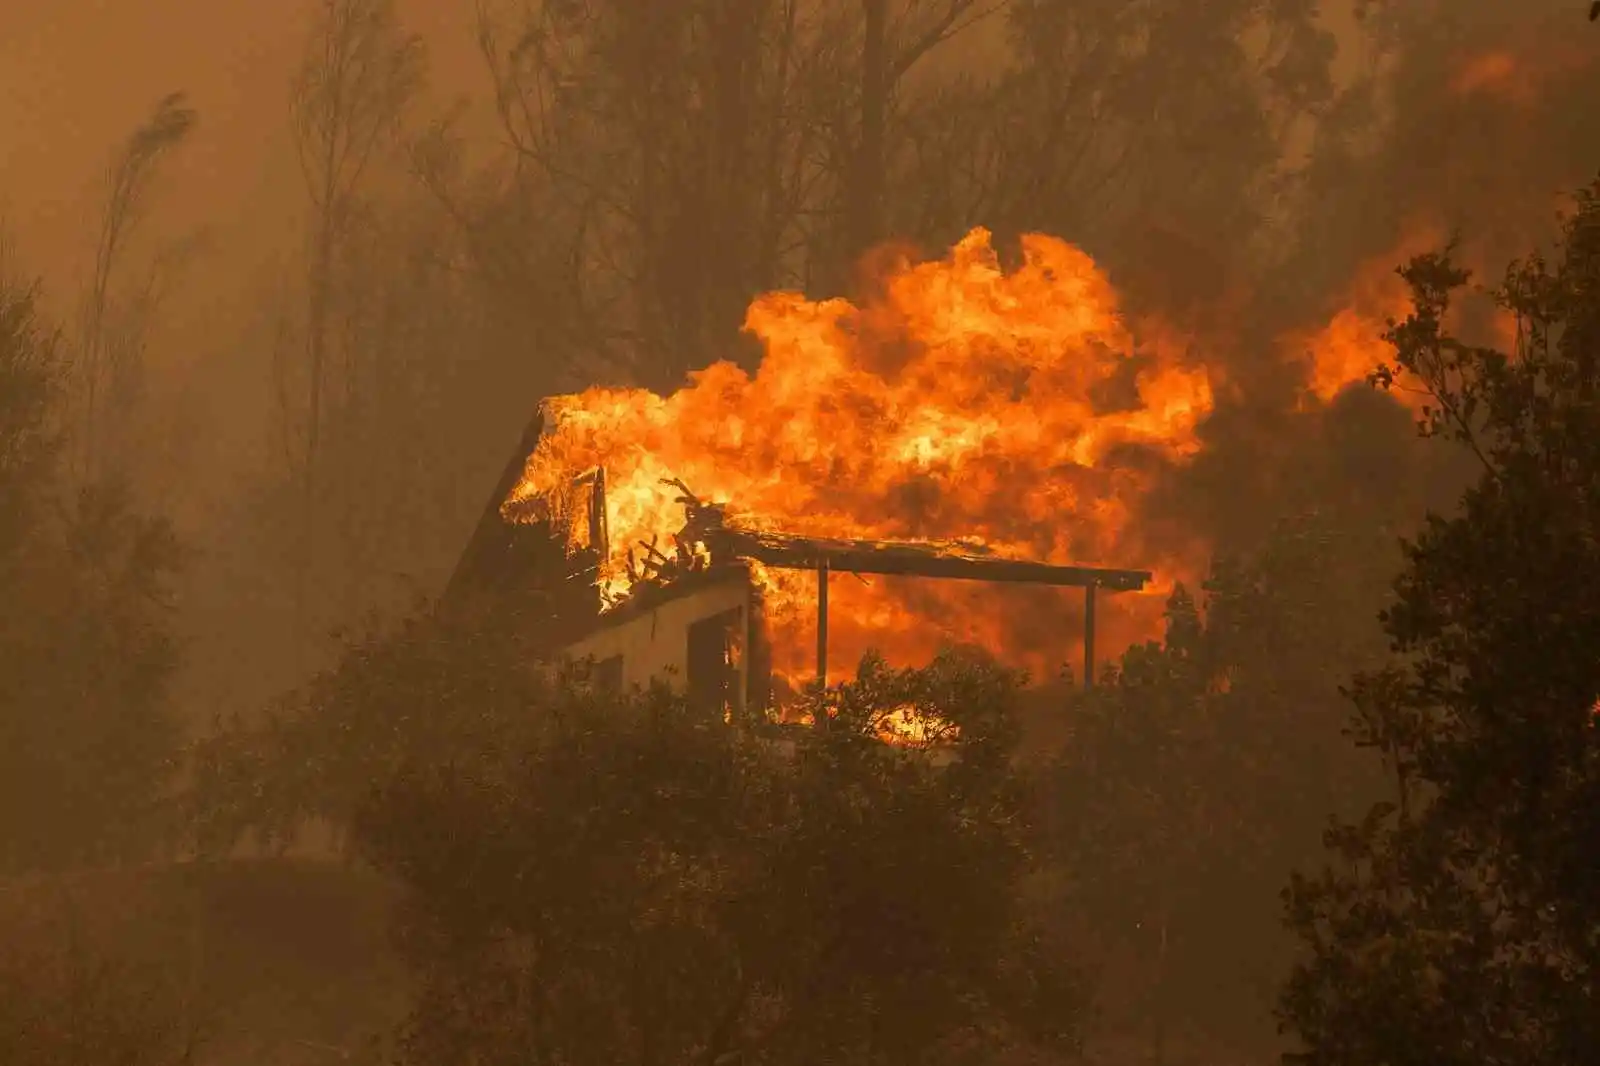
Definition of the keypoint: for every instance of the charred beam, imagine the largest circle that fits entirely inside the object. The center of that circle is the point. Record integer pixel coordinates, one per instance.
(599, 525)
(822, 624)
(594, 480)
(785, 551)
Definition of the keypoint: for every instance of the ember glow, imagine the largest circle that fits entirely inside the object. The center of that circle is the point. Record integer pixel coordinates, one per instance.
(1520, 73)
(1497, 72)
(1016, 409)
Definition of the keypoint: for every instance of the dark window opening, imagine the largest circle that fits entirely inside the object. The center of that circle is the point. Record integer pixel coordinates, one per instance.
(606, 675)
(713, 663)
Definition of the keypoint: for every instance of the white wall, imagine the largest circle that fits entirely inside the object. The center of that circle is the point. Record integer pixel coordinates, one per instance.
(654, 645)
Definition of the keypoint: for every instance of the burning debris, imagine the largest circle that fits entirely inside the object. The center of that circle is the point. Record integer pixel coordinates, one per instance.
(708, 541)
(969, 411)
(967, 419)
(691, 545)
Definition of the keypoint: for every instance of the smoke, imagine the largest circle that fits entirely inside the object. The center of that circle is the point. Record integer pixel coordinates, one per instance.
(1472, 124)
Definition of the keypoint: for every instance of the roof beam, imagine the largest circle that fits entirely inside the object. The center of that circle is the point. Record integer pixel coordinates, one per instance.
(785, 551)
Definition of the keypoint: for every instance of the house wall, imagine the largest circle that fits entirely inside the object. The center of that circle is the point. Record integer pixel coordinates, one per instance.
(654, 644)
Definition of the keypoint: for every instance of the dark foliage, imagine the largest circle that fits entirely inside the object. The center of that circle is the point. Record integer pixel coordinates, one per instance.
(1198, 771)
(1461, 920)
(602, 879)
(87, 744)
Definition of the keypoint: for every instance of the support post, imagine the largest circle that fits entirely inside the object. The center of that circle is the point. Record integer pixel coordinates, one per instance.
(821, 715)
(1088, 635)
(822, 621)
(599, 526)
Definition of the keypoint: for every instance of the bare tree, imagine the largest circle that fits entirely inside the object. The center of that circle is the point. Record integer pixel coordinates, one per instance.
(1149, 133)
(690, 155)
(667, 145)
(896, 41)
(359, 74)
(105, 359)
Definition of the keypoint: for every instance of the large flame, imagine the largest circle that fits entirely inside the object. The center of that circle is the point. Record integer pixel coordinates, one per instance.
(1018, 409)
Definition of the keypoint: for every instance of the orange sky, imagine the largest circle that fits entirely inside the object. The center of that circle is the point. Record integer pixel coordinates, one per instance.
(77, 75)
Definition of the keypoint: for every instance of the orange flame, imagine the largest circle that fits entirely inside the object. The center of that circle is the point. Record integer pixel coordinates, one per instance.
(1016, 409)
(1350, 346)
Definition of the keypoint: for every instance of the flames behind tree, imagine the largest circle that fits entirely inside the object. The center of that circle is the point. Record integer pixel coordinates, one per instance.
(1026, 410)
(1018, 412)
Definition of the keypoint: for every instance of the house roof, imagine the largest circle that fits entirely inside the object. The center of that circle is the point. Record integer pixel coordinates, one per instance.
(499, 551)
(501, 556)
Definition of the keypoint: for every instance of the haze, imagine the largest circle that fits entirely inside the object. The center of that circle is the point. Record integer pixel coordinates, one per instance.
(251, 455)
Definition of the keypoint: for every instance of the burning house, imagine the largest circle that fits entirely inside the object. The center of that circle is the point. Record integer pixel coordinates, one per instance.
(858, 485)
(688, 609)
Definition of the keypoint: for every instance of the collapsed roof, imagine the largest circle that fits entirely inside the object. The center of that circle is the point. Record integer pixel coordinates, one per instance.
(502, 556)
(917, 559)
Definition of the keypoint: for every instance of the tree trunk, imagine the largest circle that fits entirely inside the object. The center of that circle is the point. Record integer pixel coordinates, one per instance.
(1158, 1005)
(864, 198)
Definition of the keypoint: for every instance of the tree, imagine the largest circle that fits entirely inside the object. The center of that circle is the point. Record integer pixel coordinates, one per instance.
(895, 51)
(86, 983)
(661, 888)
(87, 741)
(28, 382)
(1458, 920)
(1159, 821)
(668, 152)
(397, 693)
(1146, 133)
(356, 80)
(676, 160)
(113, 325)
(622, 879)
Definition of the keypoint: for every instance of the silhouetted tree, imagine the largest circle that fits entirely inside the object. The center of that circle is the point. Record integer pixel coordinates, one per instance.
(73, 989)
(1150, 134)
(1198, 770)
(110, 354)
(683, 158)
(359, 74)
(87, 744)
(29, 379)
(1458, 921)
(641, 885)
(621, 879)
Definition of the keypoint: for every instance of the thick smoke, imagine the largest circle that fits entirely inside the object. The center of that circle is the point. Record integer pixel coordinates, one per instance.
(1466, 121)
